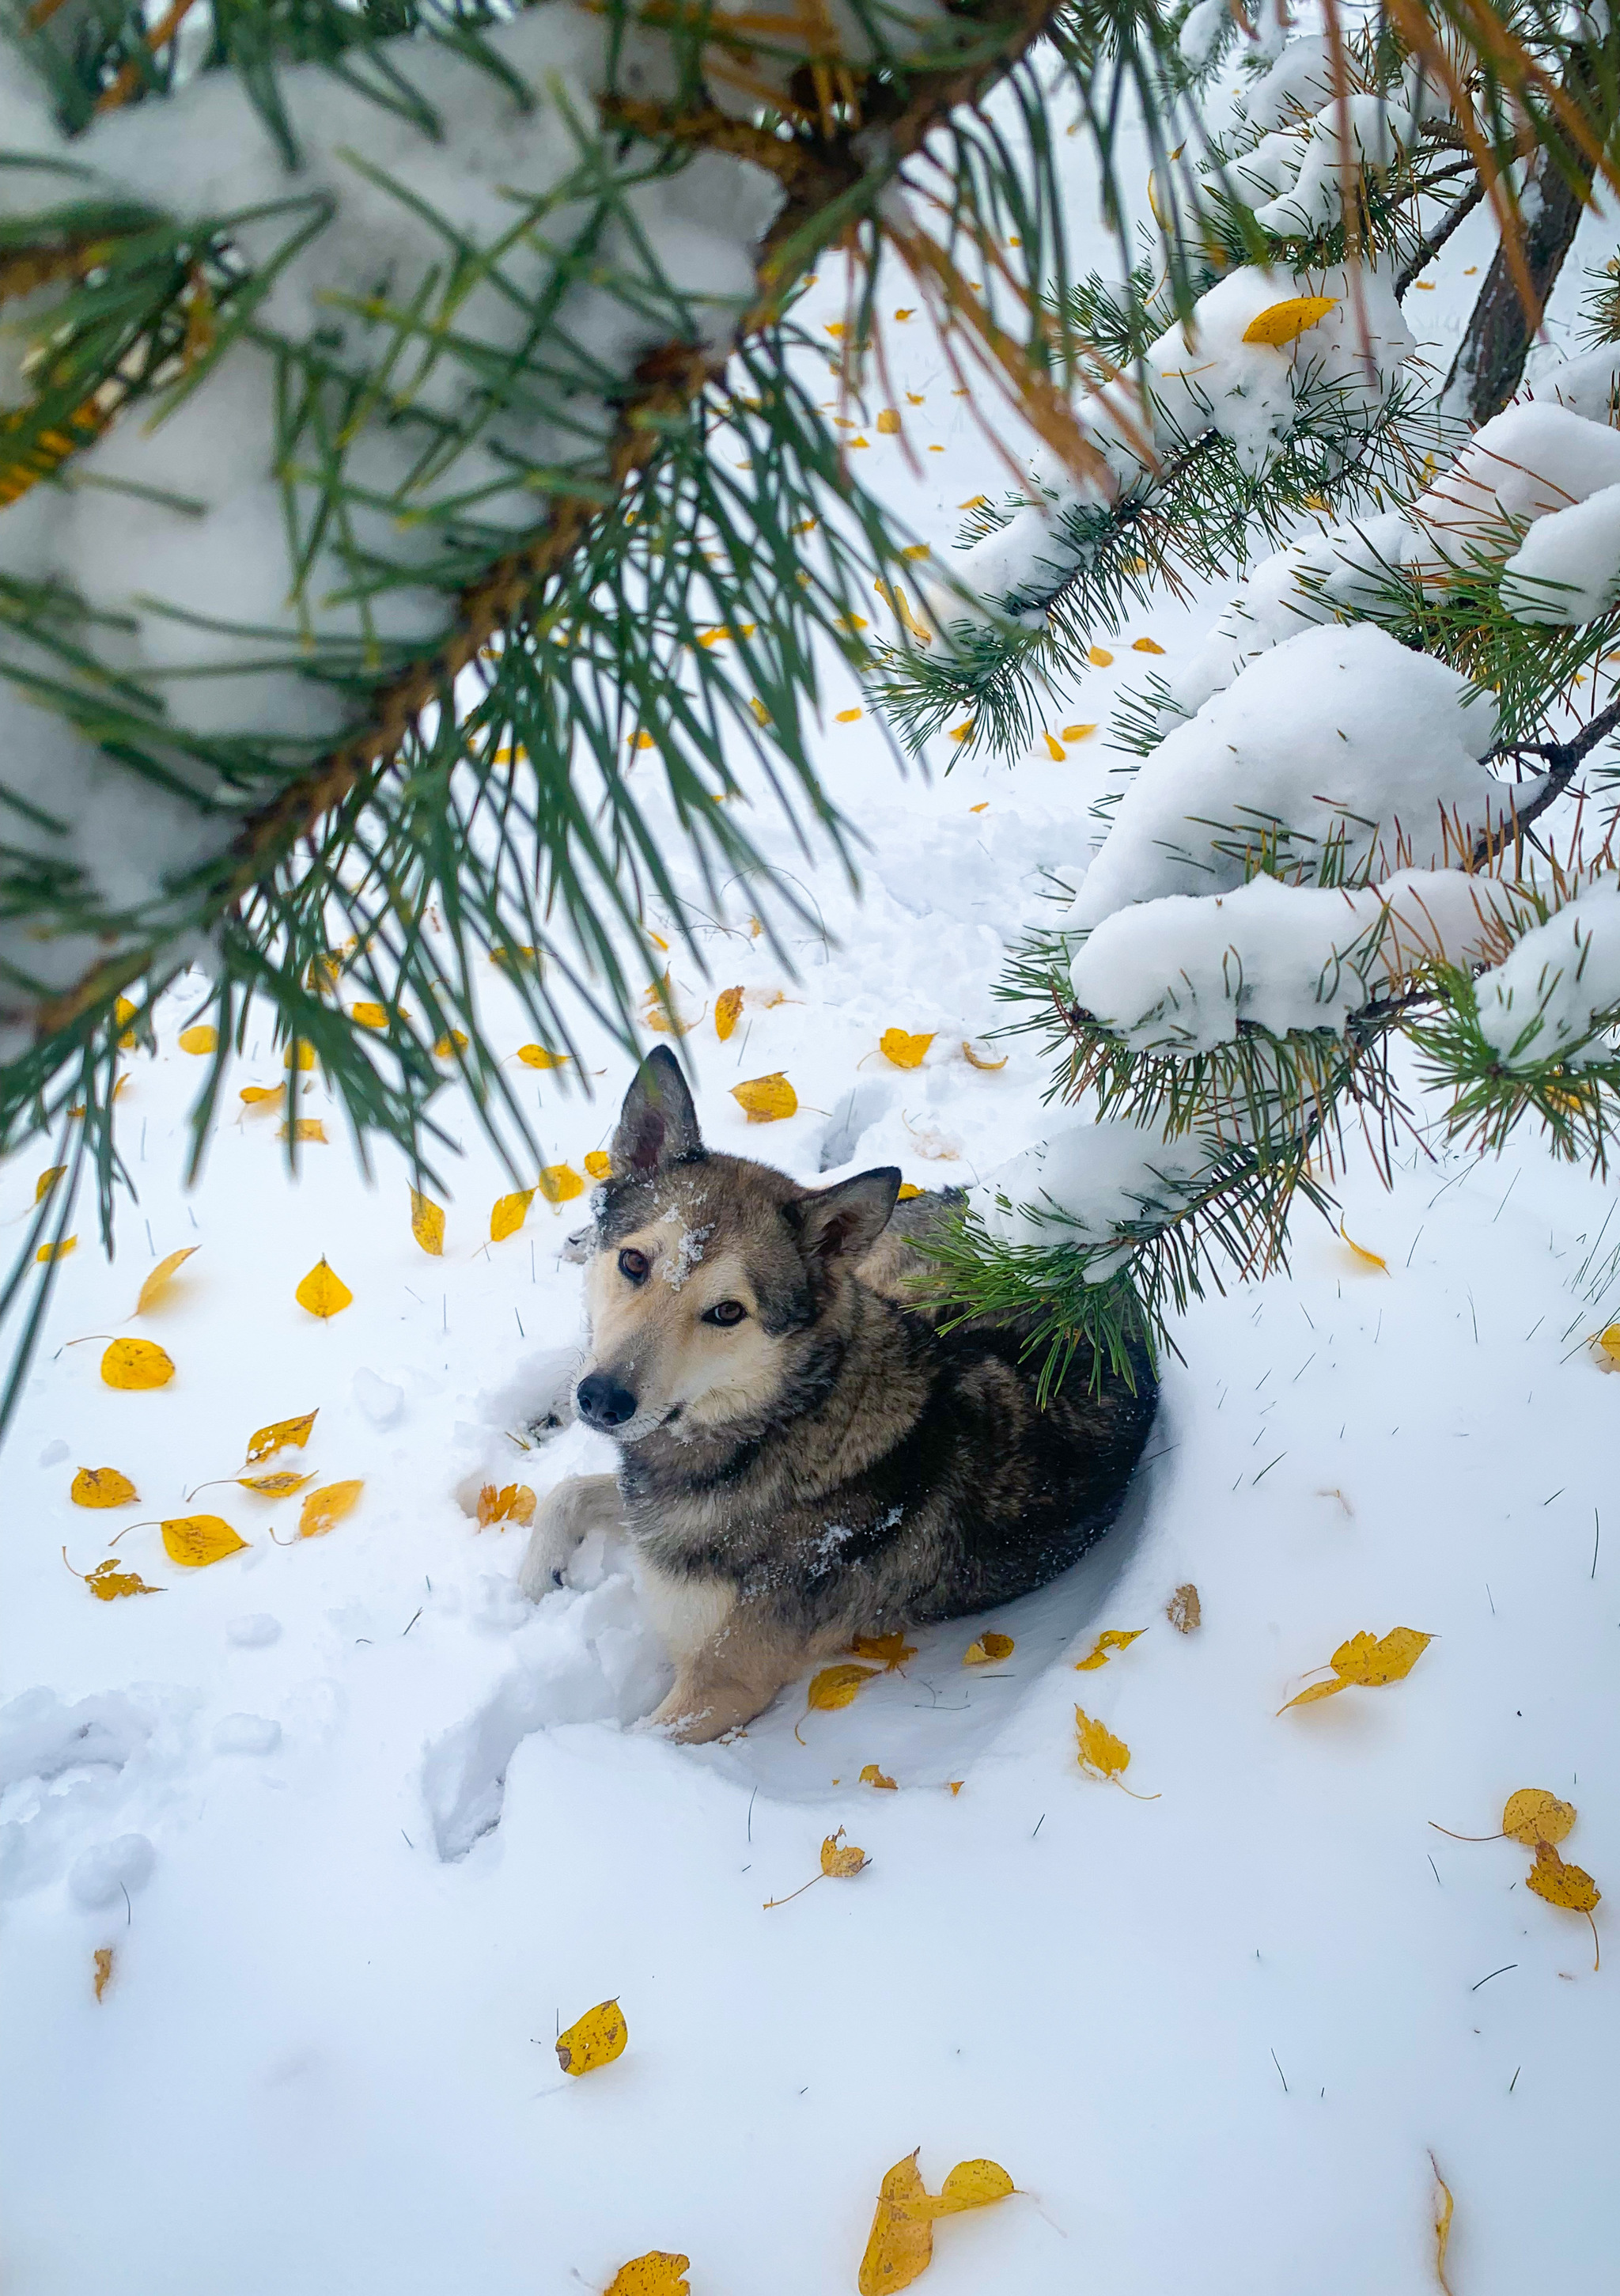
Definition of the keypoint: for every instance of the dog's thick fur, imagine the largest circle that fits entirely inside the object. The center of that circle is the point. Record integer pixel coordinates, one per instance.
(825, 1465)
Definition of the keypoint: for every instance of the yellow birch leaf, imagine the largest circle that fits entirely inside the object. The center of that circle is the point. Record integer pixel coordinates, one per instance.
(1317, 1689)
(893, 1650)
(977, 1060)
(1099, 657)
(46, 1181)
(1184, 1611)
(1054, 748)
(428, 1223)
(48, 1251)
(1078, 732)
(263, 1096)
(514, 1503)
(1112, 1639)
(448, 1045)
(279, 1484)
(105, 1487)
(889, 421)
(728, 1006)
(903, 314)
(1283, 323)
(599, 1164)
(523, 1504)
(1370, 1661)
(900, 2245)
(203, 1038)
(298, 1055)
(1145, 646)
(659, 2273)
(509, 1214)
(833, 1687)
(904, 1051)
(871, 1775)
(1367, 1259)
(326, 1506)
(892, 595)
(305, 1127)
(973, 2185)
(559, 1184)
(323, 1292)
(762, 716)
(123, 1013)
(137, 1363)
(960, 732)
(1607, 1340)
(103, 1969)
(196, 1540)
(107, 1582)
(767, 1099)
(1568, 1886)
(541, 1056)
(1530, 1816)
(280, 1432)
(1100, 1750)
(158, 1282)
(594, 2039)
(1444, 2205)
(989, 1649)
(840, 1859)
(847, 717)
(514, 960)
(906, 1190)
(371, 1016)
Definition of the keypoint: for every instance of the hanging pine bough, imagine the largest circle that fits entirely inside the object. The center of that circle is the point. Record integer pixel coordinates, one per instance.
(367, 470)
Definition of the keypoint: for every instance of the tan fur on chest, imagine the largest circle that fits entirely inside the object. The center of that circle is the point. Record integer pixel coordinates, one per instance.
(684, 1612)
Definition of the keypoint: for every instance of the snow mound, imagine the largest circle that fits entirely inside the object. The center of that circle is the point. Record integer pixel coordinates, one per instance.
(1544, 998)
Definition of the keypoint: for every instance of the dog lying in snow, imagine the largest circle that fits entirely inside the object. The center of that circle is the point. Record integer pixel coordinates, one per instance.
(803, 1457)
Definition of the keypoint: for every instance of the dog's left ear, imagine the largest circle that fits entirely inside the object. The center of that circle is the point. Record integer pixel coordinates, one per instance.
(846, 1218)
(658, 1124)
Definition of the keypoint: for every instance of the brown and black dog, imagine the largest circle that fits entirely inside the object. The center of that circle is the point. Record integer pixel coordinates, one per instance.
(803, 1457)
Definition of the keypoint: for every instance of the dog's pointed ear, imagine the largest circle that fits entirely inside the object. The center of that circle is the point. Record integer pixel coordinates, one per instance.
(658, 1124)
(848, 1218)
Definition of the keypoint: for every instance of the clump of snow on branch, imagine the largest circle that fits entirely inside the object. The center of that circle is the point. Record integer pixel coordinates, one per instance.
(1294, 177)
(1177, 976)
(1559, 983)
(1084, 1185)
(1527, 461)
(1201, 375)
(1340, 751)
(1567, 567)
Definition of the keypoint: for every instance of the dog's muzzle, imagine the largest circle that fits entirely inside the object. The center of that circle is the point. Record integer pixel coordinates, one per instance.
(603, 1402)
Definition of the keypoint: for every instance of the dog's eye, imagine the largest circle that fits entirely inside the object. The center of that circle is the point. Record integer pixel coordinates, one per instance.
(634, 1265)
(725, 1311)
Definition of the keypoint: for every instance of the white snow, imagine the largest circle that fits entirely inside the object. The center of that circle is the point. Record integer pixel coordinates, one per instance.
(1543, 1001)
(1568, 567)
(1532, 458)
(1083, 1182)
(1341, 740)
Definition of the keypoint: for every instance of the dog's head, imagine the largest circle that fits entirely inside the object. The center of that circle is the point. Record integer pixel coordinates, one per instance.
(708, 1272)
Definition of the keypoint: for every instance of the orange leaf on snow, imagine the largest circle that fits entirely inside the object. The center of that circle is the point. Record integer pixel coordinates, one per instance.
(103, 1486)
(159, 1281)
(103, 1969)
(833, 1687)
(281, 1433)
(1367, 1258)
(48, 1251)
(871, 1775)
(137, 1363)
(1112, 1639)
(893, 1650)
(323, 1292)
(326, 1506)
(559, 1184)
(510, 1503)
(728, 1007)
(203, 1038)
(904, 1051)
(659, 2273)
(428, 1223)
(196, 1540)
(594, 2039)
(989, 1649)
(540, 1057)
(1103, 1755)
(1367, 1662)
(599, 1164)
(767, 1099)
(509, 1213)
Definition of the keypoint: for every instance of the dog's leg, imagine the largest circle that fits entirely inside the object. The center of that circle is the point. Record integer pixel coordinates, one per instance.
(729, 1678)
(567, 1514)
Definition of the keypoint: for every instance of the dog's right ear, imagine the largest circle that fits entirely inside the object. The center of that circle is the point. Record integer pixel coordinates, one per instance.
(658, 1124)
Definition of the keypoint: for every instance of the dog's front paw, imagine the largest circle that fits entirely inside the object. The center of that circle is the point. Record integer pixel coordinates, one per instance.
(692, 1717)
(545, 1564)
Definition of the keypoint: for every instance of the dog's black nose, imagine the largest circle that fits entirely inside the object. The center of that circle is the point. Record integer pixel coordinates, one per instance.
(603, 1402)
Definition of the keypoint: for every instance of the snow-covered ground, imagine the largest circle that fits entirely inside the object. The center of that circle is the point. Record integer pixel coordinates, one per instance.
(361, 1830)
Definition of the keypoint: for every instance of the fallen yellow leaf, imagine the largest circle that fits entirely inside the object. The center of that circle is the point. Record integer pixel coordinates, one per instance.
(49, 1251)
(894, 595)
(509, 1213)
(1281, 323)
(973, 2185)
(1444, 2205)
(905, 1191)
(833, 1687)
(904, 314)
(1100, 1752)
(871, 1775)
(889, 421)
(203, 1038)
(1366, 1662)
(371, 1016)
(1078, 732)
(1112, 1639)
(107, 1582)
(1184, 1611)
(594, 2039)
(847, 717)
(326, 1506)
(989, 1649)
(893, 1650)
(960, 732)
(659, 2273)
(559, 1184)
(103, 1486)
(539, 1057)
(103, 1969)
(279, 1484)
(1532, 1815)
(599, 1164)
(123, 1013)
(728, 1006)
(280, 1432)
(1367, 1259)
(1145, 646)
(904, 1051)
(448, 1045)
(323, 1292)
(305, 1127)
(767, 1099)
(900, 2246)
(977, 1059)
(1054, 748)
(298, 1055)
(158, 1282)
(840, 1859)
(263, 1096)
(196, 1540)
(1099, 657)
(137, 1363)
(46, 1181)
(512, 1503)
(427, 1224)
(1568, 1886)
